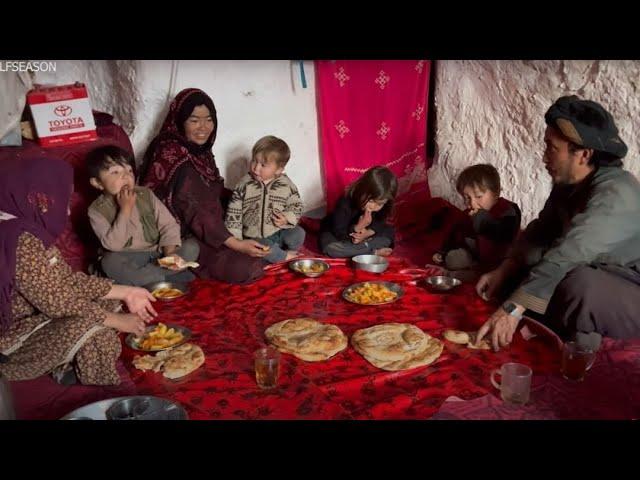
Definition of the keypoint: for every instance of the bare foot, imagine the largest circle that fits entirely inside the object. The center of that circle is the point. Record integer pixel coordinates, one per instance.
(383, 252)
(291, 255)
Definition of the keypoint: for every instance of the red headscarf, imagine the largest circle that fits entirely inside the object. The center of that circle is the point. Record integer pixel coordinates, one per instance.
(171, 149)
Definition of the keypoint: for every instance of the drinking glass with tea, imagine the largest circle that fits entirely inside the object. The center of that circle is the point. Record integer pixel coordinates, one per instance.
(576, 360)
(267, 366)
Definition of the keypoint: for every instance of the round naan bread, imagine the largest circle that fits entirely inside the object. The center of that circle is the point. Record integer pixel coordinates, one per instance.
(307, 338)
(396, 346)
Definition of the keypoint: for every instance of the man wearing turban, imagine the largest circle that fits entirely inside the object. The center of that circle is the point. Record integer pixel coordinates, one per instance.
(579, 261)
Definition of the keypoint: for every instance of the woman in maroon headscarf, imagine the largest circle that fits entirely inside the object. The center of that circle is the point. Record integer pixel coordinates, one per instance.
(180, 168)
(52, 319)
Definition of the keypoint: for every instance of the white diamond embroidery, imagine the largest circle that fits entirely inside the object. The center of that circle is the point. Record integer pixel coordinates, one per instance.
(417, 113)
(341, 76)
(382, 79)
(383, 130)
(342, 128)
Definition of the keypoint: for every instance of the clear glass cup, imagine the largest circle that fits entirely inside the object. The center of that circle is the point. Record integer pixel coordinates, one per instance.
(515, 385)
(267, 366)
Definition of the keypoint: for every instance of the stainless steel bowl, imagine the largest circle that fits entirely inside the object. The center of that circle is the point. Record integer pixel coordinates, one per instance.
(370, 263)
(167, 409)
(442, 283)
(133, 341)
(183, 287)
(144, 408)
(394, 287)
(302, 265)
(130, 408)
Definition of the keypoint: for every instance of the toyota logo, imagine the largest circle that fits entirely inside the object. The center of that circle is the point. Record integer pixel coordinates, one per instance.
(62, 110)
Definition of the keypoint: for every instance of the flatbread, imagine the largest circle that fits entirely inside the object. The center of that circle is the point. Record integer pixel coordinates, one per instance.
(483, 345)
(174, 363)
(466, 338)
(456, 336)
(181, 264)
(396, 346)
(184, 360)
(307, 339)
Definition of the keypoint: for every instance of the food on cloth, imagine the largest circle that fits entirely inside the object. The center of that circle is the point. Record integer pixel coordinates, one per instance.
(159, 338)
(307, 338)
(369, 293)
(396, 346)
(174, 363)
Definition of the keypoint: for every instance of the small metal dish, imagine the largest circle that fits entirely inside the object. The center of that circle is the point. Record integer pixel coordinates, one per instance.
(154, 287)
(304, 266)
(441, 283)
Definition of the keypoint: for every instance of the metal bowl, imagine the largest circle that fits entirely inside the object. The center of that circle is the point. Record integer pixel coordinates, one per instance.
(370, 263)
(98, 410)
(442, 283)
(394, 287)
(133, 341)
(143, 408)
(300, 265)
(183, 287)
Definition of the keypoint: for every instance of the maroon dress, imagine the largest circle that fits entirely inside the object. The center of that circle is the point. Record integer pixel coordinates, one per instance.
(185, 177)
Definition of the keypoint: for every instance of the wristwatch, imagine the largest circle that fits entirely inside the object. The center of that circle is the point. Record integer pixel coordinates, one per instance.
(512, 310)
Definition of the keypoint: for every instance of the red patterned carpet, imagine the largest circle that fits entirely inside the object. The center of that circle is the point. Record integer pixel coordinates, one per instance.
(228, 323)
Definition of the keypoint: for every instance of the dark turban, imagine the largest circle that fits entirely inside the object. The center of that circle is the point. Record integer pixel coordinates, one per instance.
(588, 125)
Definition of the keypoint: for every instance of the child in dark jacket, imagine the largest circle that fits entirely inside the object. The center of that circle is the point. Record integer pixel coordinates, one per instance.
(491, 223)
(357, 224)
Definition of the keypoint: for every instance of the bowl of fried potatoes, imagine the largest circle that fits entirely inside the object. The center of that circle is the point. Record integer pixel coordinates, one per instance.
(158, 337)
(167, 291)
(373, 293)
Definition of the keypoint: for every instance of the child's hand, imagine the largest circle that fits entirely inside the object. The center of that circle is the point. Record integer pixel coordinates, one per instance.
(278, 219)
(364, 221)
(438, 258)
(473, 211)
(359, 237)
(126, 199)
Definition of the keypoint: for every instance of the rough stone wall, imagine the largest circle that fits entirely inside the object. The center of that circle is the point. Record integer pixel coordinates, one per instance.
(493, 112)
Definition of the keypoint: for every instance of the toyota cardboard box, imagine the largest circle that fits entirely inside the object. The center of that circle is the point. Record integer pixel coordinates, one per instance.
(62, 115)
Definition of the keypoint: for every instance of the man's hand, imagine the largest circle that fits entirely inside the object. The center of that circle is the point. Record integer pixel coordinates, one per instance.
(499, 328)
